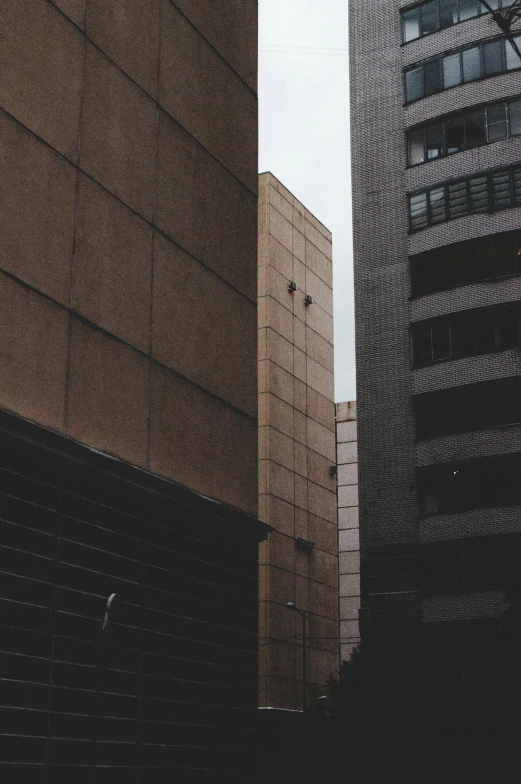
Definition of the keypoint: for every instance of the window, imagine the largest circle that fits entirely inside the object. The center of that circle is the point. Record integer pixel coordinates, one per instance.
(484, 483)
(496, 122)
(451, 71)
(496, 190)
(475, 62)
(416, 147)
(414, 84)
(411, 24)
(514, 116)
(484, 258)
(465, 334)
(493, 58)
(463, 409)
(475, 134)
(471, 60)
(434, 15)
(464, 131)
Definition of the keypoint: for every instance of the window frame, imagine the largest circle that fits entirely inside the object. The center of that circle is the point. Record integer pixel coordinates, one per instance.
(418, 7)
(463, 115)
(469, 180)
(480, 46)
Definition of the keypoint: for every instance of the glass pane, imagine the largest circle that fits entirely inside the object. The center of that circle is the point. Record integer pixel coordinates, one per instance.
(514, 111)
(492, 56)
(440, 340)
(458, 199)
(434, 139)
(496, 122)
(414, 84)
(507, 326)
(448, 12)
(455, 135)
(471, 64)
(437, 205)
(421, 344)
(484, 332)
(494, 4)
(468, 9)
(475, 129)
(411, 25)
(416, 151)
(451, 70)
(478, 190)
(429, 17)
(418, 210)
(513, 60)
(462, 337)
(432, 77)
(517, 185)
(501, 190)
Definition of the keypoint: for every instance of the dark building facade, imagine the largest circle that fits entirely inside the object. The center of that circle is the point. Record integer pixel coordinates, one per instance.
(128, 390)
(436, 102)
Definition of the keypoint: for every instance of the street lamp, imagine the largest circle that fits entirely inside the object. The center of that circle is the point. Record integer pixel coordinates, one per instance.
(292, 606)
(505, 19)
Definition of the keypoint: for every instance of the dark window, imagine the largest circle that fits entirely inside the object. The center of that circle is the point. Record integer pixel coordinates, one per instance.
(429, 17)
(434, 141)
(411, 24)
(514, 113)
(480, 60)
(418, 211)
(501, 190)
(458, 199)
(437, 211)
(451, 70)
(416, 147)
(435, 15)
(455, 135)
(440, 339)
(478, 190)
(471, 59)
(466, 408)
(469, 9)
(493, 57)
(448, 13)
(464, 131)
(464, 334)
(475, 129)
(483, 258)
(432, 75)
(414, 84)
(474, 484)
(512, 57)
(496, 122)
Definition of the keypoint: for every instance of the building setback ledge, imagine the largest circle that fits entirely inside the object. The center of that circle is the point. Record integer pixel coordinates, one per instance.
(59, 445)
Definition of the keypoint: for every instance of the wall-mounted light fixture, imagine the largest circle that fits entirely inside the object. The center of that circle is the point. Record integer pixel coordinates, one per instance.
(333, 470)
(292, 286)
(308, 300)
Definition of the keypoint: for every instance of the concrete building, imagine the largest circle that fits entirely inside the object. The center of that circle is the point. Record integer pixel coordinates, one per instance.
(436, 110)
(297, 493)
(348, 528)
(128, 389)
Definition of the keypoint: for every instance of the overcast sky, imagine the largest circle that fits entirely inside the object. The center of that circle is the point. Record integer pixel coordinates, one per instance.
(304, 135)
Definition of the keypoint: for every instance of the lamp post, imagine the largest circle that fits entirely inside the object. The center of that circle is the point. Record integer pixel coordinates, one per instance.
(292, 606)
(505, 19)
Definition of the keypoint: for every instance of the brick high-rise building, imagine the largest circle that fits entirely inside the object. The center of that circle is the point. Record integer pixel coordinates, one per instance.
(436, 124)
(128, 390)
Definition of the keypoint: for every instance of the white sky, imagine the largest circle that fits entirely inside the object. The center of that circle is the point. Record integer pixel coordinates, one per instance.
(304, 135)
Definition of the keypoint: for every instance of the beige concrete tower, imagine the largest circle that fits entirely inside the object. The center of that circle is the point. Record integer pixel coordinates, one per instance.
(297, 494)
(348, 527)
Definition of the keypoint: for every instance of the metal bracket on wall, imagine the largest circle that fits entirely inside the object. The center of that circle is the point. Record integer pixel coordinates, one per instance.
(112, 598)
